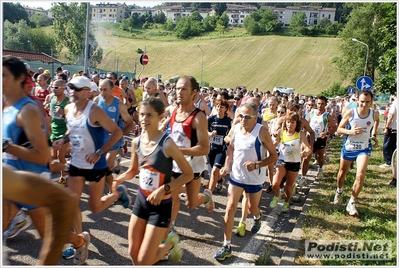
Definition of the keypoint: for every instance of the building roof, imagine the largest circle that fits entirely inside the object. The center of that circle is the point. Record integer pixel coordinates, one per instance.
(31, 56)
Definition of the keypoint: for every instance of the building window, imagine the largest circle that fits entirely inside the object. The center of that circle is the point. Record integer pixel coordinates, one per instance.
(329, 16)
(322, 16)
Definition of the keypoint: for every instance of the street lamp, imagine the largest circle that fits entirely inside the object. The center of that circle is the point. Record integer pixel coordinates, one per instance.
(367, 53)
(202, 65)
(114, 56)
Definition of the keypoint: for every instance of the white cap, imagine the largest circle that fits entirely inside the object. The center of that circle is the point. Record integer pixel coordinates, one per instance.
(93, 87)
(80, 81)
(27, 66)
(301, 102)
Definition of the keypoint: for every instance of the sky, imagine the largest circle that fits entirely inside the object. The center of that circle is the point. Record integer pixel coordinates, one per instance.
(47, 4)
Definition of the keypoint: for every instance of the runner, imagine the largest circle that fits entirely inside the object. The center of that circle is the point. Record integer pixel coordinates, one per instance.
(293, 146)
(246, 152)
(189, 131)
(87, 124)
(319, 120)
(152, 158)
(218, 127)
(363, 122)
(117, 111)
(24, 136)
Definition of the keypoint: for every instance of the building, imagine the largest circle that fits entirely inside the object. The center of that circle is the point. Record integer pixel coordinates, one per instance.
(237, 13)
(174, 12)
(109, 12)
(314, 14)
(31, 10)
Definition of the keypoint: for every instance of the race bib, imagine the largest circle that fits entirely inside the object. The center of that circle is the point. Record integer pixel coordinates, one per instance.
(53, 113)
(149, 180)
(217, 140)
(355, 145)
(77, 142)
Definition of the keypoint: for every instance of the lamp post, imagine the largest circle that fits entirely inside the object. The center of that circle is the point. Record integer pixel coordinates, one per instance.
(367, 53)
(114, 56)
(202, 65)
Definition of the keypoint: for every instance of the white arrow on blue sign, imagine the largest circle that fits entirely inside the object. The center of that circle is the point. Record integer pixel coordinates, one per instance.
(364, 83)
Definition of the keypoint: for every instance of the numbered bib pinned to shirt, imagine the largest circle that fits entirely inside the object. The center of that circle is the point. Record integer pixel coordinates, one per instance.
(216, 140)
(149, 180)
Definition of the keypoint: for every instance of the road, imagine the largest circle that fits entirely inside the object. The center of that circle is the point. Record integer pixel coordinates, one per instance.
(201, 234)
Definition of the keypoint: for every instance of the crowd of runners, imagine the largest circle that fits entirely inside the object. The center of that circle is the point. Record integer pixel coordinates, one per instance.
(186, 138)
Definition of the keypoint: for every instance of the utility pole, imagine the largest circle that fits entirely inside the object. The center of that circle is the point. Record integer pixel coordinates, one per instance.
(86, 51)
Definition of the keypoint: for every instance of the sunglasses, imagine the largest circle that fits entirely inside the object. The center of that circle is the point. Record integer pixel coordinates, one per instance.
(56, 87)
(280, 112)
(76, 89)
(246, 116)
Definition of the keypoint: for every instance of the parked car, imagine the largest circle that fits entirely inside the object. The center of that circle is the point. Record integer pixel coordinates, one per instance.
(381, 110)
(284, 90)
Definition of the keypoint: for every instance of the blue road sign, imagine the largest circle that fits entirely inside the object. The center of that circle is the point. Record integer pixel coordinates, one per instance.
(351, 90)
(364, 83)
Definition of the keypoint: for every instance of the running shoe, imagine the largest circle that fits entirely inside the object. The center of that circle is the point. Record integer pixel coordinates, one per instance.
(301, 181)
(117, 164)
(210, 204)
(176, 252)
(125, 197)
(337, 198)
(257, 224)
(286, 207)
(82, 252)
(385, 165)
(241, 229)
(274, 201)
(351, 208)
(63, 181)
(16, 228)
(319, 173)
(219, 185)
(223, 253)
(165, 257)
(392, 183)
(69, 253)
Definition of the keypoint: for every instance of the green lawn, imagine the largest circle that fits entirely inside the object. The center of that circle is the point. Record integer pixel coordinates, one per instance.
(376, 205)
(231, 58)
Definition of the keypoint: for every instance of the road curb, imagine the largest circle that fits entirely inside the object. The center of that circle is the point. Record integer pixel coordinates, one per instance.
(291, 249)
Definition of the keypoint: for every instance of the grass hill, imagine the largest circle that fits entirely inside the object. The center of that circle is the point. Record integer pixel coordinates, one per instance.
(303, 63)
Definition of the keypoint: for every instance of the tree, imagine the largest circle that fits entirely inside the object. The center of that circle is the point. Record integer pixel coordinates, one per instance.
(70, 27)
(201, 5)
(41, 41)
(196, 16)
(160, 17)
(220, 8)
(261, 22)
(223, 20)
(368, 23)
(14, 12)
(387, 61)
(40, 20)
(209, 23)
(298, 24)
(16, 36)
(169, 25)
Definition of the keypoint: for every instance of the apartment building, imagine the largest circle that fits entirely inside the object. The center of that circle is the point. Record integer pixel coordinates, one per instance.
(109, 12)
(314, 14)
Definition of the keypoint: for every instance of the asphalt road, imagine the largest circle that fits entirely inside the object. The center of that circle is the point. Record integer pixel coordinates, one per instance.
(201, 235)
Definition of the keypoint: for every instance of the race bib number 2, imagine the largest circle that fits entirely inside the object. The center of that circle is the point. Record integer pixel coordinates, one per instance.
(149, 180)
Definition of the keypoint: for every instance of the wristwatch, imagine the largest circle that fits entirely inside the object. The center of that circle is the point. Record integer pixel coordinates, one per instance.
(256, 165)
(99, 152)
(166, 187)
(6, 142)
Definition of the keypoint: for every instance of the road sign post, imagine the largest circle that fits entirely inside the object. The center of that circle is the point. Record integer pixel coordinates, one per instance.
(144, 59)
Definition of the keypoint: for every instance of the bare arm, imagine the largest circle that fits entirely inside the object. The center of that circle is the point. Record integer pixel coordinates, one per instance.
(30, 188)
(38, 152)
(126, 118)
(205, 108)
(133, 169)
(306, 150)
(202, 147)
(99, 117)
(306, 126)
